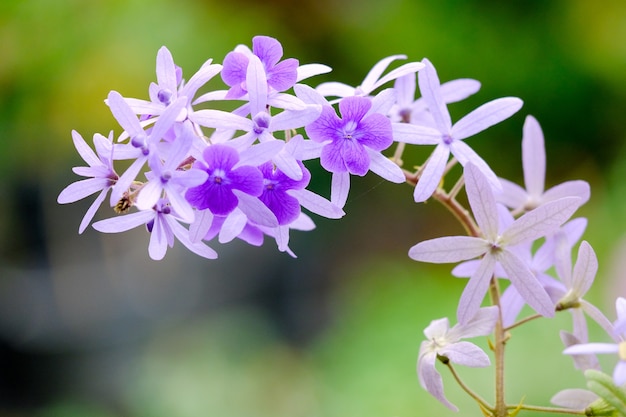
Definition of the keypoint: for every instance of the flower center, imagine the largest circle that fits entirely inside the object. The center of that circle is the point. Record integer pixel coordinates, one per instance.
(622, 350)
(447, 139)
(261, 122)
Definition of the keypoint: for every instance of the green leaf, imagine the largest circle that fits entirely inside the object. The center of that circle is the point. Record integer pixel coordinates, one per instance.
(602, 384)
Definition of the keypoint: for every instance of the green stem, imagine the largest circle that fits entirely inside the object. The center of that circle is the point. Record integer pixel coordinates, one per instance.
(498, 347)
(467, 389)
(555, 410)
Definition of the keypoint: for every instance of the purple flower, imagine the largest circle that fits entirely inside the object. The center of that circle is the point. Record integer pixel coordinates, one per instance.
(449, 138)
(163, 225)
(619, 373)
(276, 187)
(352, 144)
(445, 342)
(225, 177)
(280, 75)
(495, 246)
(534, 163)
(101, 173)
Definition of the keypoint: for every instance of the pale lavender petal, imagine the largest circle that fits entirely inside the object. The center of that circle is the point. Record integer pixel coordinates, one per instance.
(221, 119)
(92, 211)
(201, 225)
(200, 78)
(288, 165)
(317, 204)
(196, 247)
(448, 249)
(482, 201)
(309, 70)
(475, 290)
(167, 118)
(575, 399)
(482, 324)
(541, 221)
(287, 102)
(596, 315)
(340, 186)
(384, 167)
(533, 157)
(511, 195)
(467, 354)
(124, 182)
(592, 348)
(256, 211)
(465, 269)
(149, 195)
(460, 89)
(166, 70)
(405, 89)
(512, 304)
(582, 362)
(123, 114)
(585, 269)
(256, 83)
(377, 70)
(415, 134)
(383, 101)
(431, 93)
(526, 283)
(436, 329)
(84, 150)
(81, 189)
(293, 119)
(260, 153)
(619, 373)
(485, 116)
(465, 155)
(409, 68)
(125, 222)
(309, 95)
(577, 188)
(145, 107)
(431, 175)
(335, 89)
(233, 225)
(157, 248)
(181, 206)
(431, 380)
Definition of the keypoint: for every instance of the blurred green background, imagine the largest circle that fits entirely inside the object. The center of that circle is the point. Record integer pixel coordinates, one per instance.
(89, 326)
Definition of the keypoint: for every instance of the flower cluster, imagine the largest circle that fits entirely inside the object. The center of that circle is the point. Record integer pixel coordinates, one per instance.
(197, 173)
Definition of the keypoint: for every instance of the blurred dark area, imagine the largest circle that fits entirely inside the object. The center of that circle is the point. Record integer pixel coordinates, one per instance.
(89, 325)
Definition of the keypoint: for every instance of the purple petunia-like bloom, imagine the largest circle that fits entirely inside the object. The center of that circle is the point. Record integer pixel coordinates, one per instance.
(275, 195)
(349, 135)
(352, 144)
(280, 75)
(216, 194)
